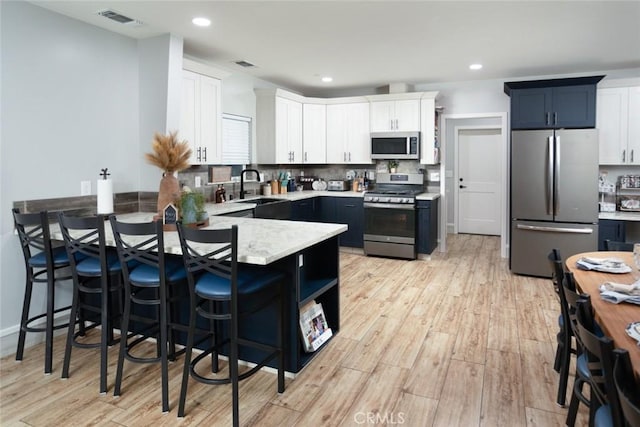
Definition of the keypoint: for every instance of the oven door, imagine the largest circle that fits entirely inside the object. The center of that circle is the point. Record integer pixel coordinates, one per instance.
(388, 222)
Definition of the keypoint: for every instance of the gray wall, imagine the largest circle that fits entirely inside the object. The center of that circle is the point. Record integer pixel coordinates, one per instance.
(70, 106)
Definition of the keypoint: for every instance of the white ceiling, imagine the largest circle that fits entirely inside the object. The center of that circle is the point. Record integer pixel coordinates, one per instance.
(367, 45)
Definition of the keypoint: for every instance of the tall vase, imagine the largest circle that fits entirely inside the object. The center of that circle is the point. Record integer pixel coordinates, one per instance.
(169, 191)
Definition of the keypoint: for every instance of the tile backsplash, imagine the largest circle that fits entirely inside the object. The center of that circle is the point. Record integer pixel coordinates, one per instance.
(269, 172)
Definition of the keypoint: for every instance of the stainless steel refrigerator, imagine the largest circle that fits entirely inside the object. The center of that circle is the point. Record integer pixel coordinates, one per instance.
(554, 196)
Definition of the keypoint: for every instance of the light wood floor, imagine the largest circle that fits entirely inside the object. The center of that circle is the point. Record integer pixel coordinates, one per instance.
(453, 341)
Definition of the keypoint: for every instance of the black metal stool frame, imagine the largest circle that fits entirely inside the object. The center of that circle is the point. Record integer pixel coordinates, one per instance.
(222, 261)
(33, 232)
(150, 251)
(90, 242)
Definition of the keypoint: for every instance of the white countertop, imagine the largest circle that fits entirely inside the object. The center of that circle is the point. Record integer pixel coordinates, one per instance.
(620, 216)
(260, 241)
(234, 206)
(428, 196)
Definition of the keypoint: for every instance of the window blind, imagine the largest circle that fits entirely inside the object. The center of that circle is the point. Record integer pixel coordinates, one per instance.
(236, 139)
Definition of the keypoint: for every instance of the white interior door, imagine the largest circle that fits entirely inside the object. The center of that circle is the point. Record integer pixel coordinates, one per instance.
(478, 181)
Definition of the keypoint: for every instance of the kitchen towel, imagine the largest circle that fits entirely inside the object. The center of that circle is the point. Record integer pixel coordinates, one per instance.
(618, 292)
(105, 196)
(607, 265)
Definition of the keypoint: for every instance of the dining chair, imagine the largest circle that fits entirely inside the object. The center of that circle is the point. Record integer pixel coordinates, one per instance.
(627, 388)
(224, 292)
(612, 245)
(604, 408)
(96, 273)
(151, 282)
(582, 373)
(45, 262)
(564, 337)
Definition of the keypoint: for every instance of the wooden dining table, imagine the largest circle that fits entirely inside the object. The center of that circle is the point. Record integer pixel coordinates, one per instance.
(612, 318)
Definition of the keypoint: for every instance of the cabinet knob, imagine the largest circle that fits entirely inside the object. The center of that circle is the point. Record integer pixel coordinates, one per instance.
(631, 160)
(624, 155)
(199, 155)
(555, 118)
(204, 154)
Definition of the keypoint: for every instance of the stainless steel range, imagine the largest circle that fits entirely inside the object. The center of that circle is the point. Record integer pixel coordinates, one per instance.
(390, 215)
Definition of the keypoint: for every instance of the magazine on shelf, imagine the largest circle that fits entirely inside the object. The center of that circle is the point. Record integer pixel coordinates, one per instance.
(314, 327)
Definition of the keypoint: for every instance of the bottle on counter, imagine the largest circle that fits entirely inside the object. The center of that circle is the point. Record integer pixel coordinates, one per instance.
(223, 196)
(218, 194)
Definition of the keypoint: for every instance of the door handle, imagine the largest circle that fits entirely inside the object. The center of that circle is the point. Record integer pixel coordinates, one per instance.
(624, 152)
(463, 186)
(550, 164)
(204, 154)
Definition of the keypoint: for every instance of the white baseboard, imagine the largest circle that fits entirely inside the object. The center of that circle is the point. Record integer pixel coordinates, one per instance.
(9, 336)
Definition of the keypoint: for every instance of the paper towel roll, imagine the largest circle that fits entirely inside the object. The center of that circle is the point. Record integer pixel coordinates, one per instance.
(105, 196)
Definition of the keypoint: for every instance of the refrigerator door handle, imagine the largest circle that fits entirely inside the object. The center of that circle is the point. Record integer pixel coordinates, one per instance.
(555, 229)
(556, 200)
(550, 163)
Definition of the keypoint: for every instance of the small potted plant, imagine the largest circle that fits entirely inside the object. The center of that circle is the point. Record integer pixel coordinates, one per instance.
(192, 210)
(393, 166)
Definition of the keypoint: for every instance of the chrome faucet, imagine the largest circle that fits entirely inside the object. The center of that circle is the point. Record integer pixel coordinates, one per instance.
(242, 180)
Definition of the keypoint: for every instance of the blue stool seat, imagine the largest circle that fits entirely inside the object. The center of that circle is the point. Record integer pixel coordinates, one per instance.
(60, 258)
(582, 366)
(603, 417)
(91, 266)
(249, 281)
(146, 275)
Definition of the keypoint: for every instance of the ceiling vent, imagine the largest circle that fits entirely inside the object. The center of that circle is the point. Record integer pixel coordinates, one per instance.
(118, 17)
(245, 64)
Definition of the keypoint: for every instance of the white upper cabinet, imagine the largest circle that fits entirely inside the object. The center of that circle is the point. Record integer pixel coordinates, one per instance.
(429, 136)
(278, 127)
(314, 133)
(200, 117)
(348, 138)
(617, 113)
(395, 115)
(633, 144)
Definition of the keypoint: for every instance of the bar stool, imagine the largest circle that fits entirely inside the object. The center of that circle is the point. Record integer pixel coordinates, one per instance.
(41, 267)
(96, 271)
(148, 276)
(222, 291)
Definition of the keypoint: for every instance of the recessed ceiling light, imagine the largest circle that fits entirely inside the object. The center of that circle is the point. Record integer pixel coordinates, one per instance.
(475, 66)
(327, 79)
(201, 22)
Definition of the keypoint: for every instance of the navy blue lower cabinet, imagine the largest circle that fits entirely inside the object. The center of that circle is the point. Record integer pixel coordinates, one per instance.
(427, 226)
(327, 209)
(350, 211)
(610, 229)
(344, 210)
(305, 210)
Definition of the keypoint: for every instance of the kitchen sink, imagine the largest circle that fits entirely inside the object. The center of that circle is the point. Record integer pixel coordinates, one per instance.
(270, 208)
(261, 200)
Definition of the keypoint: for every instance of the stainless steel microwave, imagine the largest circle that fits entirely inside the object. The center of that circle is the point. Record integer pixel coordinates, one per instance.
(395, 145)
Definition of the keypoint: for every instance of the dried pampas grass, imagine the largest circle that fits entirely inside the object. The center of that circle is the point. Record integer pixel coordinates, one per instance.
(169, 154)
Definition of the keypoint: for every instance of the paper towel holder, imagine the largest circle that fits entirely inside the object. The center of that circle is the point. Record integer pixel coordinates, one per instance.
(104, 193)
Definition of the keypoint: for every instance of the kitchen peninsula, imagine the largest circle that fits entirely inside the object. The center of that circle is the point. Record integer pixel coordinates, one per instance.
(306, 252)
